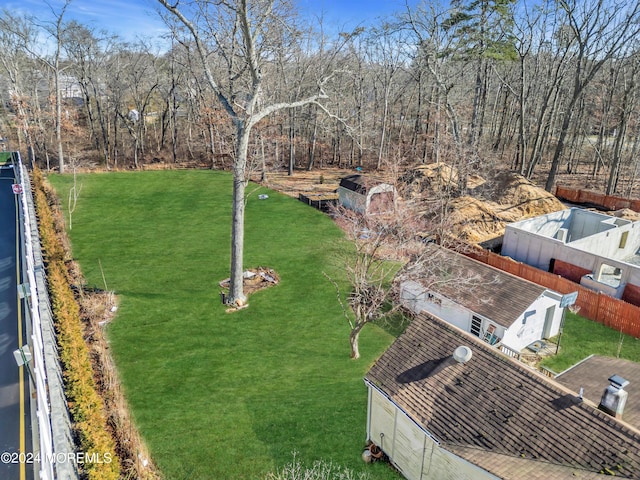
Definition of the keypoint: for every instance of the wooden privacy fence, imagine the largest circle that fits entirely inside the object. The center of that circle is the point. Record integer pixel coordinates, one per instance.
(597, 306)
(610, 202)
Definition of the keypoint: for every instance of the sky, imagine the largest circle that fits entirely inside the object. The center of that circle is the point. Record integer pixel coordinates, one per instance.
(131, 18)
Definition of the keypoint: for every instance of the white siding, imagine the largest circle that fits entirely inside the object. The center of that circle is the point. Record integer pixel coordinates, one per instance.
(409, 445)
(415, 298)
(382, 416)
(520, 334)
(594, 239)
(415, 453)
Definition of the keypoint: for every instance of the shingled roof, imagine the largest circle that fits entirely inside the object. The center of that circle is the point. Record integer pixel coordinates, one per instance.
(592, 375)
(494, 407)
(494, 294)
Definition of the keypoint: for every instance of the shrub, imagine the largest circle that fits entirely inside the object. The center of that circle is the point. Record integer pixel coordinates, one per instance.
(85, 404)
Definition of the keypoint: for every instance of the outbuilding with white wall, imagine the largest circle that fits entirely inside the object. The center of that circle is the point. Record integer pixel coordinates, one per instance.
(366, 195)
(497, 307)
(439, 415)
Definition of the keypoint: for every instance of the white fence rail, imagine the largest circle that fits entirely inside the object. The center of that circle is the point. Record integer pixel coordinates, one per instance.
(54, 433)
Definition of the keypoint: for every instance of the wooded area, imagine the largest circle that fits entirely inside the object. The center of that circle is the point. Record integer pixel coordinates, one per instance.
(541, 89)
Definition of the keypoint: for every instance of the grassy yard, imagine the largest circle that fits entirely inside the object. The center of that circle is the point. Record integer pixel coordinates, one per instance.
(583, 337)
(217, 395)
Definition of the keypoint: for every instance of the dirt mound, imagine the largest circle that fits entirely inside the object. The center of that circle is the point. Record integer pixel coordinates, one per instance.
(480, 216)
(474, 220)
(627, 214)
(432, 176)
(521, 196)
(509, 198)
(435, 177)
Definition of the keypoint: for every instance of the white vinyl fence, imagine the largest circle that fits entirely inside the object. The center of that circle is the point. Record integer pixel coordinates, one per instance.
(52, 431)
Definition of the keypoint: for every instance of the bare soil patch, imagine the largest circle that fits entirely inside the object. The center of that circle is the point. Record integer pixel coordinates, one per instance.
(303, 181)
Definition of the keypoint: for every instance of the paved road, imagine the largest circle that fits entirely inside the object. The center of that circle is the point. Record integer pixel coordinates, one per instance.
(15, 412)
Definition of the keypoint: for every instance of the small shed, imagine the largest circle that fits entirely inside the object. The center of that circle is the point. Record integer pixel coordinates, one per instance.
(366, 195)
(499, 308)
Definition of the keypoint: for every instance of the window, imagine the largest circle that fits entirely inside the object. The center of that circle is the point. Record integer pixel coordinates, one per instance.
(490, 335)
(476, 326)
(623, 240)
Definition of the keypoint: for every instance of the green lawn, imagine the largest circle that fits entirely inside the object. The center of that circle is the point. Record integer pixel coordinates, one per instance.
(583, 337)
(217, 395)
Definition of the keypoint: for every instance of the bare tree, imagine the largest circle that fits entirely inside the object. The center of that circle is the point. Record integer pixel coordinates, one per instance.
(598, 31)
(432, 40)
(15, 32)
(242, 35)
(379, 244)
(368, 274)
(54, 64)
(88, 53)
(386, 58)
(54, 30)
(141, 79)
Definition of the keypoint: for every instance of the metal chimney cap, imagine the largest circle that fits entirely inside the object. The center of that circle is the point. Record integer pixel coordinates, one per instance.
(618, 382)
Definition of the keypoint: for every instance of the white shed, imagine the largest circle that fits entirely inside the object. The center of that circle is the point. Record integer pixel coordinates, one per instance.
(493, 305)
(364, 195)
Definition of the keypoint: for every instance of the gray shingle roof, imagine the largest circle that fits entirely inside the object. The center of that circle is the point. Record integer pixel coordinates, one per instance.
(494, 294)
(592, 374)
(497, 405)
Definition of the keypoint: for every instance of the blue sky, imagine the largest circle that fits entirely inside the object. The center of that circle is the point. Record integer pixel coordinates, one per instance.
(351, 13)
(127, 18)
(123, 17)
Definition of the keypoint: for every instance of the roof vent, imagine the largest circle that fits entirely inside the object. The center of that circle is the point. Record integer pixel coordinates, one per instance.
(462, 354)
(614, 397)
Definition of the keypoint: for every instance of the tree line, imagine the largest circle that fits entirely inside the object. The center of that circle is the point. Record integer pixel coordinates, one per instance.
(539, 87)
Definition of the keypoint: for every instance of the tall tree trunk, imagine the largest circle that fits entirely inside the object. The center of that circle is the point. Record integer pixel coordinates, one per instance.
(314, 136)
(633, 156)
(292, 141)
(628, 105)
(521, 161)
(236, 289)
(545, 120)
(557, 155)
(383, 127)
(59, 118)
(354, 341)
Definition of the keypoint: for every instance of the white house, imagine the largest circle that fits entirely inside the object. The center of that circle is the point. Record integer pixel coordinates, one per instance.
(493, 305)
(598, 251)
(482, 415)
(365, 195)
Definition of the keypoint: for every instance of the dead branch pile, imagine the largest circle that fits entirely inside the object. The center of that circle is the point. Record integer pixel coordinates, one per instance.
(255, 279)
